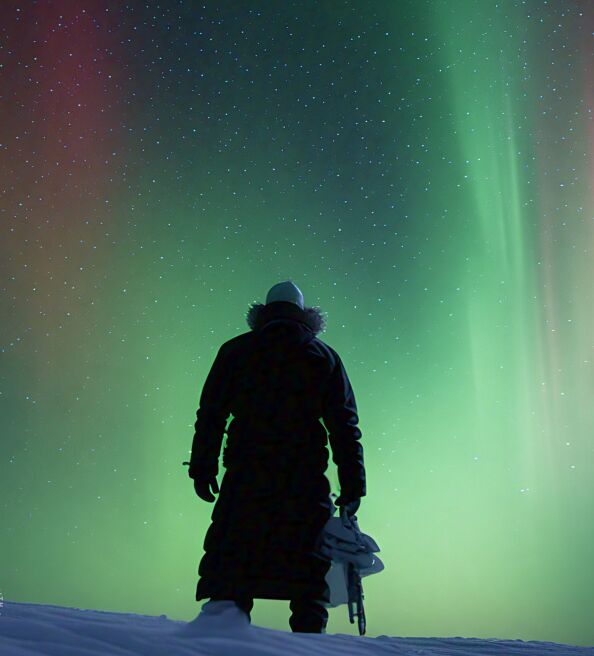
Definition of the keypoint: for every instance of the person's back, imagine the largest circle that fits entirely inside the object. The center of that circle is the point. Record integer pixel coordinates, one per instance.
(277, 381)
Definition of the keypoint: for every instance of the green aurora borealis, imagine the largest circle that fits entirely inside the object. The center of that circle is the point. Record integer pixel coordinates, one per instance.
(422, 170)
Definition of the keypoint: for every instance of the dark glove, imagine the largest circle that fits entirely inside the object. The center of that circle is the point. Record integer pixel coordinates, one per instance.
(203, 484)
(203, 488)
(350, 505)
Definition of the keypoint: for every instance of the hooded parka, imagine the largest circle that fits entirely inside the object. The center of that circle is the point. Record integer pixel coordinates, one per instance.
(278, 381)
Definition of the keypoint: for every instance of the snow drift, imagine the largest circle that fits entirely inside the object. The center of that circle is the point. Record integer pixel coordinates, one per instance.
(28, 629)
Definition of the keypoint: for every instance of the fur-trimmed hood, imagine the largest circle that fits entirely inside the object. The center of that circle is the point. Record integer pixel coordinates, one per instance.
(260, 314)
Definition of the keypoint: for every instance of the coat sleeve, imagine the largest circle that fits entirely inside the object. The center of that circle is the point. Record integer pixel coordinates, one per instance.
(340, 418)
(211, 419)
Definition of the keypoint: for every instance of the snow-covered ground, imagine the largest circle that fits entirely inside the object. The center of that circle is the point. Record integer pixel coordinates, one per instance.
(34, 629)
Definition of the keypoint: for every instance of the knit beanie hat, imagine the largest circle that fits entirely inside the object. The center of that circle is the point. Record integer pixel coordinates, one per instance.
(285, 291)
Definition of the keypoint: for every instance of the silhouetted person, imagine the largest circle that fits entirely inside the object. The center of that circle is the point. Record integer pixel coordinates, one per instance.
(277, 381)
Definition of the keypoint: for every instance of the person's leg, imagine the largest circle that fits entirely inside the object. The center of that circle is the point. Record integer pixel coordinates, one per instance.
(308, 615)
(245, 604)
(308, 612)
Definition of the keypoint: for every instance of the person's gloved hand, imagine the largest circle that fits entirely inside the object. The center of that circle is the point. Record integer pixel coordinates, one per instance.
(203, 487)
(203, 484)
(350, 505)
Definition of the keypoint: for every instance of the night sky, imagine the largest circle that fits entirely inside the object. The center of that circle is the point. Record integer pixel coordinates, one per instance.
(422, 170)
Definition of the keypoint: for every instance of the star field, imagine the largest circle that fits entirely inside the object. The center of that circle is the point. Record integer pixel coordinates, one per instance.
(421, 169)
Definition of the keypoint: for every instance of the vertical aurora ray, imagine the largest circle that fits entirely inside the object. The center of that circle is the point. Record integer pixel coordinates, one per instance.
(497, 296)
(504, 317)
(530, 329)
(484, 77)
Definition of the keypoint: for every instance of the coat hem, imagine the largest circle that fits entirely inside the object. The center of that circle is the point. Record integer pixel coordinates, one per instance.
(280, 589)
